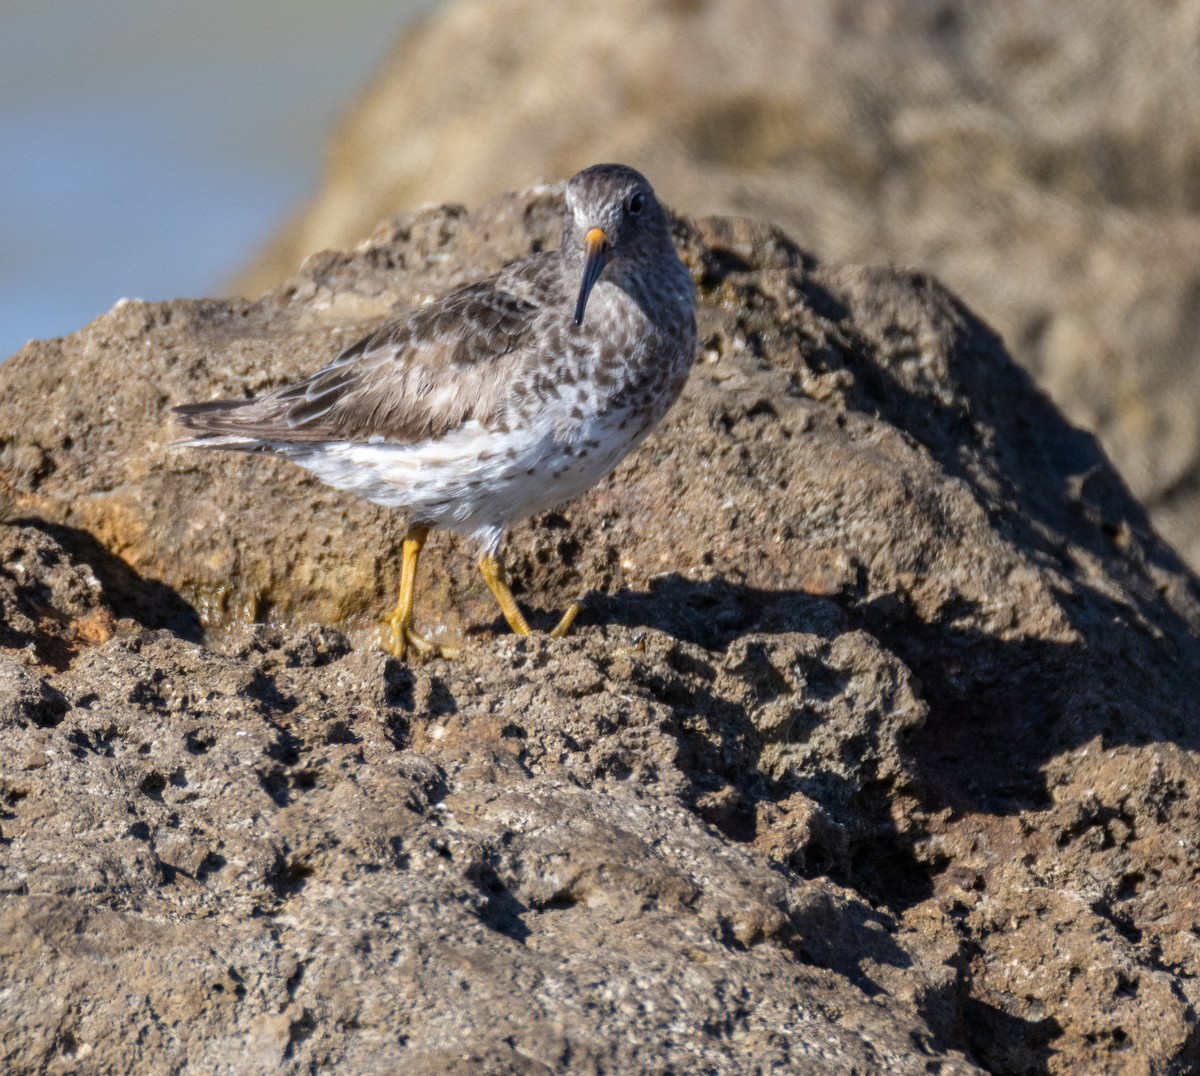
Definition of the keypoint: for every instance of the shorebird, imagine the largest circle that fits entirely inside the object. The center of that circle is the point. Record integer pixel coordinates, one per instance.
(499, 400)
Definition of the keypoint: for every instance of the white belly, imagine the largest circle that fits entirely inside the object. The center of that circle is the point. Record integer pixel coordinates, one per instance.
(475, 481)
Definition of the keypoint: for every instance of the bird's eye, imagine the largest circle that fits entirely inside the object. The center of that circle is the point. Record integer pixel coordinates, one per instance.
(636, 203)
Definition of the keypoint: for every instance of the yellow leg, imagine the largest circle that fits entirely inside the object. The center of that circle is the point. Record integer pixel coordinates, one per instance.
(401, 620)
(493, 574)
(565, 621)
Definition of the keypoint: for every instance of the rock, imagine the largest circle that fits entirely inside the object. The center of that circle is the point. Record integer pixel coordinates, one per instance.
(241, 849)
(1041, 159)
(874, 748)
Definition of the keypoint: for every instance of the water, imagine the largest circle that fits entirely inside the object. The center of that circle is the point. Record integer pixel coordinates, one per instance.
(148, 146)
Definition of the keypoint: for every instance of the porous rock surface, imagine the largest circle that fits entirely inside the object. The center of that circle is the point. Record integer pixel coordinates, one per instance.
(875, 748)
(1040, 156)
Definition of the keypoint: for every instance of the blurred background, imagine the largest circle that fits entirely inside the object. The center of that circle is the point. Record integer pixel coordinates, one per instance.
(149, 146)
(1041, 156)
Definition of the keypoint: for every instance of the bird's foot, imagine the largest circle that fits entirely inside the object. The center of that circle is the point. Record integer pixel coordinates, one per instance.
(404, 635)
(568, 620)
(520, 626)
(493, 574)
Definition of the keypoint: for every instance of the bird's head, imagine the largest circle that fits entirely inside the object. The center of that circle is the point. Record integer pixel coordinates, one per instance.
(612, 218)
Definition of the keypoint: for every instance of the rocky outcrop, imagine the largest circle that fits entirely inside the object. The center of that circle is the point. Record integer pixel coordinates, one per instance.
(1040, 158)
(875, 746)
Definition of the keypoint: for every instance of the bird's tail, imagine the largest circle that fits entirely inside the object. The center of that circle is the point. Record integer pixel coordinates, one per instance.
(216, 424)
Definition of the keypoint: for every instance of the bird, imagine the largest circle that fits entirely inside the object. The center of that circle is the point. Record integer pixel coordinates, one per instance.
(499, 400)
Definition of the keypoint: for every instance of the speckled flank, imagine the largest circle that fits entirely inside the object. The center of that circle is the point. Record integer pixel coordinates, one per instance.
(492, 404)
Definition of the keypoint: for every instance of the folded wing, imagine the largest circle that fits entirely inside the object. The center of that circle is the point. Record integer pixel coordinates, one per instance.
(413, 380)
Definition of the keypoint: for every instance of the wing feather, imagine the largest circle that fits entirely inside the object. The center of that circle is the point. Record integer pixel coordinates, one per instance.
(412, 380)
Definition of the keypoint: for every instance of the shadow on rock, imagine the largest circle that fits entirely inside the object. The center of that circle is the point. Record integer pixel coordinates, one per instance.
(1010, 1043)
(1051, 493)
(126, 593)
(790, 725)
(1000, 710)
(714, 612)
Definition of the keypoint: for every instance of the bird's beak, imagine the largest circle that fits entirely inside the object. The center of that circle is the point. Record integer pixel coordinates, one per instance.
(597, 246)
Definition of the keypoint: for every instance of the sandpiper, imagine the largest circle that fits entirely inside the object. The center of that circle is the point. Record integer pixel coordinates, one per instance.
(499, 400)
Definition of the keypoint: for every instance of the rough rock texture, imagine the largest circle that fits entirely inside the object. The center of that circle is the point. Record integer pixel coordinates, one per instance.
(1040, 156)
(875, 748)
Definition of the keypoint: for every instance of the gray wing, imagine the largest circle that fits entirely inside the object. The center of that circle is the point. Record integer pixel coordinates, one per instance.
(412, 380)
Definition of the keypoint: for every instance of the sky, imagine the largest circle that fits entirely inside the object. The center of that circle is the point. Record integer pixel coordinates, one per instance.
(147, 147)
